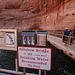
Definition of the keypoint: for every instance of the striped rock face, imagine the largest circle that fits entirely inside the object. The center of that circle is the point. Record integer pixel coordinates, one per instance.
(30, 15)
(8, 4)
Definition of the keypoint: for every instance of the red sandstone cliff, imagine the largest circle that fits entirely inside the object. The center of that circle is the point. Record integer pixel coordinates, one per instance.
(60, 19)
(32, 14)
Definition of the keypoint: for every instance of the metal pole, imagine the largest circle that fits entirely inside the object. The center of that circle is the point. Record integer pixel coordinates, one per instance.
(44, 72)
(24, 71)
(46, 46)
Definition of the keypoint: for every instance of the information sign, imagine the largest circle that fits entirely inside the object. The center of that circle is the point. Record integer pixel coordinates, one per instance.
(34, 57)
(28, 37)
(41, 38)
(8, 39)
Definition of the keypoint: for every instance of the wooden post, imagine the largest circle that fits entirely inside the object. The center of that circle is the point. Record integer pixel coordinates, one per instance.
(44, 72)
(62, 37)
(24, 71)
(69, 40)
(56, 34)
(16, 63)
(39, 72)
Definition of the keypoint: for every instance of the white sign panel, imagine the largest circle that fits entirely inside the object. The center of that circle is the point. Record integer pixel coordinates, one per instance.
(34, 57)
(41, 39)
(10, 39)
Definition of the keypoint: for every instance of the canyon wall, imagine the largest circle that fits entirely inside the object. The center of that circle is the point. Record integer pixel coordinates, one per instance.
(60, 19)
(14, 15)
(19, 14)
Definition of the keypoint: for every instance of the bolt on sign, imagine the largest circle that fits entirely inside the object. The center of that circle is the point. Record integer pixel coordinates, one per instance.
(34, 57)
(8, 39)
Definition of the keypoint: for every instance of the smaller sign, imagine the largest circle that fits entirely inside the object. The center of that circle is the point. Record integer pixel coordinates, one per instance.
(28, 38)
(41, 38)
(34, 57)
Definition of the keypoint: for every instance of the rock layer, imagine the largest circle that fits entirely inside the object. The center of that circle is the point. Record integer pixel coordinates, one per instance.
(19, 15)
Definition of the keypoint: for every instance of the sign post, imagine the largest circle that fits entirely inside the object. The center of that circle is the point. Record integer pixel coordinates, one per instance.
(16, 63)
(44, 72)
(24, 71)
(34, 38)
(39, 72)
(42, 40)
(28, 38)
